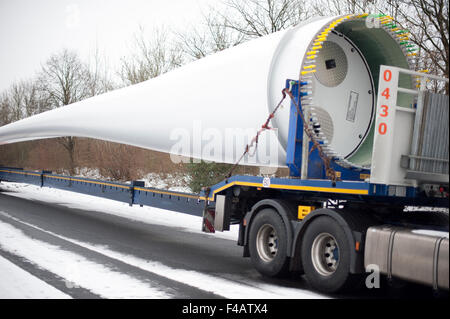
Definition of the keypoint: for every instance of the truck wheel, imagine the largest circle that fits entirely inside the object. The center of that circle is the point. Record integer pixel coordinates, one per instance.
(326, 256)
(268, 243)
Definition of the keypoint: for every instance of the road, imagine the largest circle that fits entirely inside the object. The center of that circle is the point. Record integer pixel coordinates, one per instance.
(119, 243)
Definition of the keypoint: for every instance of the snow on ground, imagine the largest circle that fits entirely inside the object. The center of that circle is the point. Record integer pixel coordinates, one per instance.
(170, 182)
(107, 282)
(16, 283)
(74, 268)
(146, 214)
(226, 287)
(85, 172)
(173, 182)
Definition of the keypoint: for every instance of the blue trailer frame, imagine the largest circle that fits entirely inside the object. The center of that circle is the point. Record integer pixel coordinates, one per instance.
(194, 204)
(133, 194)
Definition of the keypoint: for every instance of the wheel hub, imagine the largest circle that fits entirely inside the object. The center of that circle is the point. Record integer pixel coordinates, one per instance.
(325, 254)
(267, 243)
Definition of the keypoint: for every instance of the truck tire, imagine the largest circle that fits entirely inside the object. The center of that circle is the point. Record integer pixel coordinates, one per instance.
(268, 243)
(325, 255)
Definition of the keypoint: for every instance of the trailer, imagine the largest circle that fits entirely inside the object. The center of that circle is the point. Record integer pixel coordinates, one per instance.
(331, 230)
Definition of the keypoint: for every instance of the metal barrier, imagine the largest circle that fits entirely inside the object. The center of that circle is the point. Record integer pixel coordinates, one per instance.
(430, 147)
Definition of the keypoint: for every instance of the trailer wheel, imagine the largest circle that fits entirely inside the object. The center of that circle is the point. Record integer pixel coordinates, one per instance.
(268, 243)
(325, 256)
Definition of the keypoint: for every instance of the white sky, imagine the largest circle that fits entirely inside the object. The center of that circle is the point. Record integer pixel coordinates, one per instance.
(32, 30)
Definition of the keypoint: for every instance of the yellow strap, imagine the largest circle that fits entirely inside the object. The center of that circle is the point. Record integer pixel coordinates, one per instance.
(307, 72)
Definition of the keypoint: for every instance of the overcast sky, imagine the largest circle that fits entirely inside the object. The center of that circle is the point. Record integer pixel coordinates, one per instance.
(31, 30)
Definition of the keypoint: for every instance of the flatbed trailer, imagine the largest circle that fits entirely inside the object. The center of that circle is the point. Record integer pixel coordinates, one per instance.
(353, 205)
(332, 231)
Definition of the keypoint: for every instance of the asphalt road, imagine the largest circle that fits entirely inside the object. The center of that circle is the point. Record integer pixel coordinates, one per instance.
(167, 245)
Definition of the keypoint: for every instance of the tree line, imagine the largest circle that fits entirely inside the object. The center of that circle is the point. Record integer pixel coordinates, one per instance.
(65, 78)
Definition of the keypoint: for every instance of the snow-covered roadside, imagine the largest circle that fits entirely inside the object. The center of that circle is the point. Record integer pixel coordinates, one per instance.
(226, 287)
(75, 269)
(149, 215)
(174, 182)
(16, 283)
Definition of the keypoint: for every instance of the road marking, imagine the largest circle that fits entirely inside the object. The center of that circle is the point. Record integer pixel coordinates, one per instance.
(210, 283)
(76, 269)
(17, 283)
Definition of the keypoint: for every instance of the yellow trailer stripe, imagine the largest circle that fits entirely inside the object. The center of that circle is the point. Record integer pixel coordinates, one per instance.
(293, 187)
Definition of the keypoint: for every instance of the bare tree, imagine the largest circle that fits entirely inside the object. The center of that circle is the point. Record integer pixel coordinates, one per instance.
(255, 18)
(16, 95)
(31, 98)
(340, 7)
(5, 110)
(65, 79)
(23, 99)
(213, 36)
(151, 58)
(34, 100)
(118, 161)
(99, 77)
(428, 22)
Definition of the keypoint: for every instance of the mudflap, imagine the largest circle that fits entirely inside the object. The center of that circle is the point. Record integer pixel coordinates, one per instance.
(209, 215)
